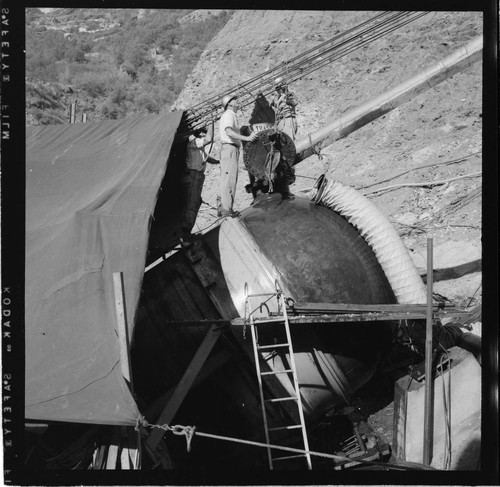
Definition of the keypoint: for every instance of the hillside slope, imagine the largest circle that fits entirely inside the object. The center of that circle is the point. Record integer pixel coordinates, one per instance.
(113, 63)
(419, 138)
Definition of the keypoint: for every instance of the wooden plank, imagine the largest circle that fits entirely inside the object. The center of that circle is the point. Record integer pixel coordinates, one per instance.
(129, 433)
(208, 273)
(134, 446)
(112, 458)
(122, 328)
(429, 393)
(184, 385)
(302, 308)
(332, 318)
(153, 411)
(125, 458)
(129, 448)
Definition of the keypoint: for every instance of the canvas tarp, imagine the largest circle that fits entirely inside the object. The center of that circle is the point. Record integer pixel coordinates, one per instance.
(91, 189)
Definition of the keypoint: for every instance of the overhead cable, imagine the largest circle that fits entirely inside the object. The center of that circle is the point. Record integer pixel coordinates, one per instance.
(302, 64)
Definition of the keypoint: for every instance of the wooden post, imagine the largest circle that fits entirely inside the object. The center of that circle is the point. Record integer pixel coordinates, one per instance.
(184, 385)
(130, 453)
(112, 459)
(429, 403)
(72, 112)
(122, 327)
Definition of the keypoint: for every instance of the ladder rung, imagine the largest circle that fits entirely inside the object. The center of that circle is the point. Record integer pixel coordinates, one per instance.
(289, 457)
(276, 345)
(263, 321)
(281, 399)
(291, 427)
(287, 371)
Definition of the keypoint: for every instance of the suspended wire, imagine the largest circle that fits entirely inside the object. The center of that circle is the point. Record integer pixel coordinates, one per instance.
(216, 97)
(323, 57)
(303, 64)
(272, 73)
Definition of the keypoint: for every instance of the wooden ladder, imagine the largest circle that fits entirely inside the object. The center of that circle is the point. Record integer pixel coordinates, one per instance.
(254, 322)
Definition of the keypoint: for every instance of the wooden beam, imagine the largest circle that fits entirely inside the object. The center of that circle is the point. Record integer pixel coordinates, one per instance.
(112, 457)
(125, 459)
(153, 411)
(428, 397)
(184, 385)
(122, 328)
(303, 308)
(129, 452)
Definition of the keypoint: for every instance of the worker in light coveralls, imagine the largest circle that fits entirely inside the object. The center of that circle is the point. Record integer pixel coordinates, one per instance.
(230, 138)
(194, 174)
(283, 103)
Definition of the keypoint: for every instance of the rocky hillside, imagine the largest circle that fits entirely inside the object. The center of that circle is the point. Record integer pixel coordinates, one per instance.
(113, 63)
(420, 164)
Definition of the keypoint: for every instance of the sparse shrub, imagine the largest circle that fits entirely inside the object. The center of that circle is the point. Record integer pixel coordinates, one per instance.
(118, 95)
(47, 117)
(112, 110)
(146, 102)
(96, 83)
(137, 85)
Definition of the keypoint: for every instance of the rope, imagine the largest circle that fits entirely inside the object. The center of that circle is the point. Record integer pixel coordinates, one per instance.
(190, 431)
(473, 296)
(445, 163)
(213, 223)
(447, 409)
(424, 183)
(317, 152)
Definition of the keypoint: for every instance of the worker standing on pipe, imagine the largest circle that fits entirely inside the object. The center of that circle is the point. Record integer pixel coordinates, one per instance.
(194, 177)
(231, 139)
(283, 104)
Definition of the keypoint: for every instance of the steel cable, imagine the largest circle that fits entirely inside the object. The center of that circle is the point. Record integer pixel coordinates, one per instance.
(271, 72)
(299, 70)
(305, 64)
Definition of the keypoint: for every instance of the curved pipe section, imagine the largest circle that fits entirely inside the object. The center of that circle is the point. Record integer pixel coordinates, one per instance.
(380, 235)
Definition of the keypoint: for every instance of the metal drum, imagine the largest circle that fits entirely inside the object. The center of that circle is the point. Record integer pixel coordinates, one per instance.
(317, 257)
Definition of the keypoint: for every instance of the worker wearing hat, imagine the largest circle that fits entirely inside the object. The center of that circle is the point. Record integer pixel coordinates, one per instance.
(283, 104)
(230, 138)
(194, 174)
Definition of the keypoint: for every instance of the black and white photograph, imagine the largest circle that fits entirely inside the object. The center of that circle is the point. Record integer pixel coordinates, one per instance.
(255, 246)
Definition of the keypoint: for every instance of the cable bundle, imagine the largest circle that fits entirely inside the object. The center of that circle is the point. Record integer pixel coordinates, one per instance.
(300, 65)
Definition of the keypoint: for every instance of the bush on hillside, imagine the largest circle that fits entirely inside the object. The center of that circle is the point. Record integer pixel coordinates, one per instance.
(147, 102)
(97, 83)
(48, 117)
(131, 82)
(112, 110)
